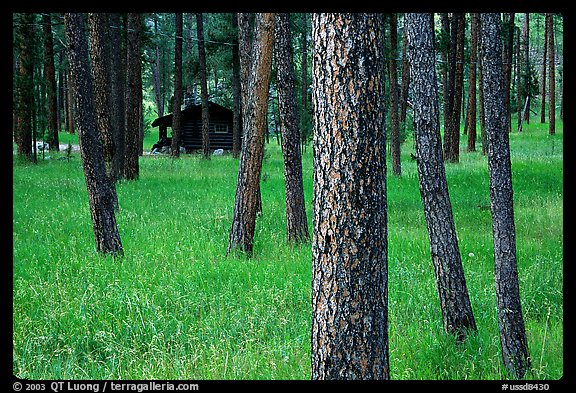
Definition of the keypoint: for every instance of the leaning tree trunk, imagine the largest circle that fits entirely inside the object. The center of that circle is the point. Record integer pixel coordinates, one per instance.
(296, 222)
(451, 284)
(203, 87)
(349, 248)
(510, 320)
(97, 182)
(254, 124)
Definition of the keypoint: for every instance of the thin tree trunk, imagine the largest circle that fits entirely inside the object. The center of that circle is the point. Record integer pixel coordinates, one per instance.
(481, 92)
(248, 184)
(457, 314)
(447, 91)
(404, 89)
(117, 96)
(237, 99)
(50, 75)
(510, 320)
(25, 88)
(177, 103)
(508, 31)
(551, 76)
(304, 93)
(526, 65)
(392, 71)
(350, 245)
(454, 146)
(471, 116)
(203, 88)
(156, 72)
(132, 168)
(99, 187)
(543, 74)
(296, 222)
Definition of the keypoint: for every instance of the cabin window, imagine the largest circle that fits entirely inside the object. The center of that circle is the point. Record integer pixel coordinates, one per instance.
(219, 128)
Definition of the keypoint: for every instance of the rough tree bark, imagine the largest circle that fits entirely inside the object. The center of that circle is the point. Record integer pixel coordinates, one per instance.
(349, 248)
(97, 182)
(455, 304)
(452, 148)
(296, 222)
(100, 58)
(203, 87)
(177, 103)
(254, 124)
(543, 73)
(510, 320)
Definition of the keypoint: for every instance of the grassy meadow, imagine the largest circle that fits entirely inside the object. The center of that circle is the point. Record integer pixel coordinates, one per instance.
(176, 307)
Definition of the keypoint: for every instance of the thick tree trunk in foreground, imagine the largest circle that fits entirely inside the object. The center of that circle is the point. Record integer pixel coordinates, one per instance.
(507, 50)
(24, 104)
(97, 182)
(296, 222)
(118, 103)
(510, 320)
(451, 284)
(349, 249)
(254, 123)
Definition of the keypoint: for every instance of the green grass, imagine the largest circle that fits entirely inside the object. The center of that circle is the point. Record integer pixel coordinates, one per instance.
(176, 307)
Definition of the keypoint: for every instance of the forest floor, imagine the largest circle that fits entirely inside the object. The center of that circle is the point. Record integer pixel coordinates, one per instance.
(177, 307)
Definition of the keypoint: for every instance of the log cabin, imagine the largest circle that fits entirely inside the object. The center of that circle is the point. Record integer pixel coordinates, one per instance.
(220, 126)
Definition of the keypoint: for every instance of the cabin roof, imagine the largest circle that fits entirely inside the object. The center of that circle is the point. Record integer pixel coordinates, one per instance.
(195, 112)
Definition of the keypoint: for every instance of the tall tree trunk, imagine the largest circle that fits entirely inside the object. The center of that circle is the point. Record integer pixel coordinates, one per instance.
(481, 91)
(454, 146)
(71, 105)
(60, 95)
(203, 88)
(25, 87)
(392, 71)
(156, 72)
(100, 58)
(457, 314)
(404, 89)
(296, 222)
(50, 76)
(471, 116)
(508, 32)
(237, 99)
(177, 103)
(117, 96)
(510, 321)
(133, 95)
(543, 74)
(304, 72)
(519, 84)
(248, 185)
(526, 66)
(447, 91)
(245, 45)
(551, 76)
(97, 182)
(350, 242)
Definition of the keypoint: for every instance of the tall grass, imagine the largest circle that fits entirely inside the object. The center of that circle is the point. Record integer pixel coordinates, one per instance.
(177, 307)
